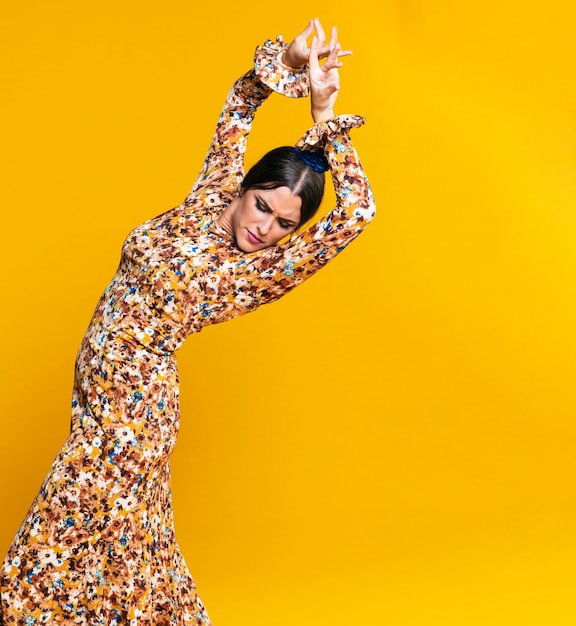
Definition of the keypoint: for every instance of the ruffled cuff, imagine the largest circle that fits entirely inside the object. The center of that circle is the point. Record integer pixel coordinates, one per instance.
(285, 80)
(330, 130)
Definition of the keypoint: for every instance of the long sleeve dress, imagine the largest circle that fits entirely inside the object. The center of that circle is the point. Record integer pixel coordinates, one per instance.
(97, 545)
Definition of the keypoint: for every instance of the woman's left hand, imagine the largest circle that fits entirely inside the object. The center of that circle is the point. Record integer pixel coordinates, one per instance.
(324, 79)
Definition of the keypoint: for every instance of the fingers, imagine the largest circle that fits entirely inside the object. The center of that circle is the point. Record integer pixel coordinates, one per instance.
(332, 60)
(330, 63)
(314, 54)
(307, 31)
(324, 48)
(329, 71)
(319, 31)
(333, 37)
(344, 53)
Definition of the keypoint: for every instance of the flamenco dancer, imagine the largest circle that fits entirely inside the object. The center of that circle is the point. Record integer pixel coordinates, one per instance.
(97, 545)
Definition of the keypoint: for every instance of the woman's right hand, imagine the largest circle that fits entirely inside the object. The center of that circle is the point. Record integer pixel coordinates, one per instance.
(298, 52)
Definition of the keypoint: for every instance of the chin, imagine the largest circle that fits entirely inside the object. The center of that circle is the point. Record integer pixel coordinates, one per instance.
(246, 245)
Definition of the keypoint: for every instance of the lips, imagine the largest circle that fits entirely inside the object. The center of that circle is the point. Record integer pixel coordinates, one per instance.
(252, 238)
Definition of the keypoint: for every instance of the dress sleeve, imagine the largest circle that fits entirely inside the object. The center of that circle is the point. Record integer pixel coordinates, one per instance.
(277, 270)
(223, 168)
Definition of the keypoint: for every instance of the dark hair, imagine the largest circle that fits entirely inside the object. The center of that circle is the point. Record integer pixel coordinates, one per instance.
(282, 167)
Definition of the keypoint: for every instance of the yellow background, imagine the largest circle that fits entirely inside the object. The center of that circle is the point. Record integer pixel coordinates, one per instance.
(393, 442)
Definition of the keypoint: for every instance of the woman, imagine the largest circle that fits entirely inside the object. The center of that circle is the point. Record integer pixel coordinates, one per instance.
(98, 546)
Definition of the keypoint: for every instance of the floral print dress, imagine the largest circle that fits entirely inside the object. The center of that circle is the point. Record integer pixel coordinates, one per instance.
(98, 545)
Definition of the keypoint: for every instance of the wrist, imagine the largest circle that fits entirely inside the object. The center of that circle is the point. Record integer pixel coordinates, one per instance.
(289, 63)
(322, 115)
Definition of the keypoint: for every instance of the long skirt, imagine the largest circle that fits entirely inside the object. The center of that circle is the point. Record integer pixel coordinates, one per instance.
(98, 545)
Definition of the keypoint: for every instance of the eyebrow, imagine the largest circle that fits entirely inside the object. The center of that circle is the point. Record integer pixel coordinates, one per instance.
(267, 206)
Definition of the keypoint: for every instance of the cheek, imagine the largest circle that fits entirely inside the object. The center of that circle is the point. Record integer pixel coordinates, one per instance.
(249, 213)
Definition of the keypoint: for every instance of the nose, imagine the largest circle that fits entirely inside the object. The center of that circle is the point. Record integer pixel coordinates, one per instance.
(265, 224)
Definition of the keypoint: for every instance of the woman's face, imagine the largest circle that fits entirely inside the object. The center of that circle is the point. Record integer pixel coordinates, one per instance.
(260, 218)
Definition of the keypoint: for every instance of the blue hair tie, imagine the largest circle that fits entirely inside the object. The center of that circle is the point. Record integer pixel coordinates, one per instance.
(315, 159)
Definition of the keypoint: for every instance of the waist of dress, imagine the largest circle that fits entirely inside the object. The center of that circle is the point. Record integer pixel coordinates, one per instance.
(127, 344)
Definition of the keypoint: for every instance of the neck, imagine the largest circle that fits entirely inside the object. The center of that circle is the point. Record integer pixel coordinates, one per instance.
(225, 219)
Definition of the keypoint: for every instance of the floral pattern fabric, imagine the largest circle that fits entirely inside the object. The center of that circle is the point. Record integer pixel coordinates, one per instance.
(97, 545)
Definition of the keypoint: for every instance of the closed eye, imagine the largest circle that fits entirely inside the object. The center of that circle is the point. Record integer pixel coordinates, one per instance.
(261, 207)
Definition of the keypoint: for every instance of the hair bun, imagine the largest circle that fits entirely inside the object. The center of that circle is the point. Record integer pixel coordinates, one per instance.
(314, 158)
